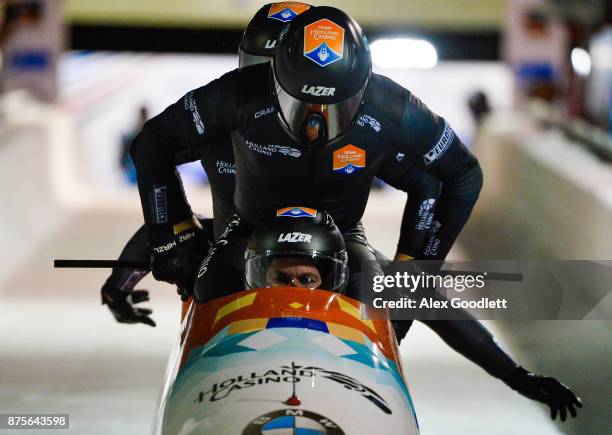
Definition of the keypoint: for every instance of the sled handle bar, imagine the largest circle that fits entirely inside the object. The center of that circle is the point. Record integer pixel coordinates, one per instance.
(126, 264)
(145, 265)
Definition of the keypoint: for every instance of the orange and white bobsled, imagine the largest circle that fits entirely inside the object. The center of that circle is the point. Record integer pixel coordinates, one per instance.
(285, 361)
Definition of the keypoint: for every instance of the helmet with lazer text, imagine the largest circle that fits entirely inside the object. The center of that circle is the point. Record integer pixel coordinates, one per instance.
(262, 33)
(300, 247)
(321, 69)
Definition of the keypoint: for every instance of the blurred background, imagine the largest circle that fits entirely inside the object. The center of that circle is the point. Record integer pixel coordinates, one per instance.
(527, 84)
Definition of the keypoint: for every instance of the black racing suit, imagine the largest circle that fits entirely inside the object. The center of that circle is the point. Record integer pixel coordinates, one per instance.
(218, 162)
(422, 188)
(275, 170)
(395, 131)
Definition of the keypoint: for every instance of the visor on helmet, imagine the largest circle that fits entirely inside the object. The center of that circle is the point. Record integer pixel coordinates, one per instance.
(246, 59)
(317, 122)
(296, 269)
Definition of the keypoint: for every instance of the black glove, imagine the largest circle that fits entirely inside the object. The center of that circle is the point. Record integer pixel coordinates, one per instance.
(121, 304)
(177, 258)
(547, 390)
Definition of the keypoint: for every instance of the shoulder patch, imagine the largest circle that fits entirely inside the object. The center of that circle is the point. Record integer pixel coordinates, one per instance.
(441, 146)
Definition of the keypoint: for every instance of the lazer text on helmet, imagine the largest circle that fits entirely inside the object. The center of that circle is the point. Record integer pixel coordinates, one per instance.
(318, 91)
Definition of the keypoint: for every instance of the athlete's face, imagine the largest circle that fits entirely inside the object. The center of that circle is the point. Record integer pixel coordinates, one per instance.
(293, 272)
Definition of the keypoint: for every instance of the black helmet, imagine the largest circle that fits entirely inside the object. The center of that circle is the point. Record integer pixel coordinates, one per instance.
(321, 69)
(263, 31)
(300, 247)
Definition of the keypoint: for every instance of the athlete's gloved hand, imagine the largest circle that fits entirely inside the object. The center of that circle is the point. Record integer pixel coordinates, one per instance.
(177, 258)
(121, 304)
(547, 390)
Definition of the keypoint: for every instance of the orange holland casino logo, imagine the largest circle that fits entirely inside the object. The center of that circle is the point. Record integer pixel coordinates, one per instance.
(349, 159)
(323, 42)
(296, 212)
(286, 11)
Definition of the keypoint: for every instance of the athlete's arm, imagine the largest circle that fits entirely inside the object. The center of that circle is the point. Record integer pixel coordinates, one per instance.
(472, 340)
(423, 193)
(180, 133)
(435, 148)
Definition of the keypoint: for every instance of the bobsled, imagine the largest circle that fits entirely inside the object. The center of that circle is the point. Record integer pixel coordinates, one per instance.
(285, 360)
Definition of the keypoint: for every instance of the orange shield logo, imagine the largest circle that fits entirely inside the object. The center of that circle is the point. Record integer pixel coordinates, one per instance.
(286, 11)
(349, 159)
(323, 42)
(296, 212)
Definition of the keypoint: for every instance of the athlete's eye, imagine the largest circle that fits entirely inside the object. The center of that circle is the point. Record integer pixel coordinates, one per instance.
(307, 279)
(281, 278)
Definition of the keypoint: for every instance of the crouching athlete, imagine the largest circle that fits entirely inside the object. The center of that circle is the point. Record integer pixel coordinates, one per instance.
(293, 144)
(193, 237)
